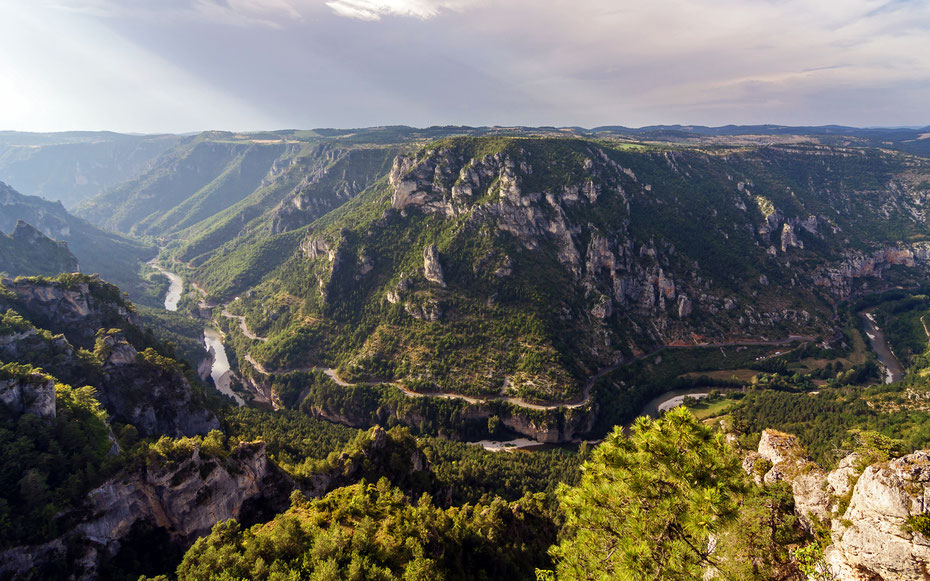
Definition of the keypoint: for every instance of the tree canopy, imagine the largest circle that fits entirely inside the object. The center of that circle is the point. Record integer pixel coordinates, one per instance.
(650, 506)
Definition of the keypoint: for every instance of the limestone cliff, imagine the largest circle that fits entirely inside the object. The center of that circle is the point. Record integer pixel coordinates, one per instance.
(184, 498)
(30, 394)
(134, 383)
(789, 462)
(554, 425)
(76, 305)
(873, 538)
(145, 392)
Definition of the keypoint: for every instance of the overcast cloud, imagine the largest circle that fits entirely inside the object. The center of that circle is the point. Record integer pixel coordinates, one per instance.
(188, 65)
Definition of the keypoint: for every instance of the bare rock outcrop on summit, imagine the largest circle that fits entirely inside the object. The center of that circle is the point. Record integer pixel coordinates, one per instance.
(790, 463)
(873, 540)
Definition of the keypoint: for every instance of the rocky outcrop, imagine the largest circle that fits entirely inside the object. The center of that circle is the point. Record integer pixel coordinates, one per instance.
(432, 269)
(144, 389)
(553, 427)
(335, 260)
(156, 399)
(205, 367)
(184, 498)
(428, 310)
(791, 464)
(77, 306)
(314, 248)
(29, 394)
(874, 539)
(839, 278)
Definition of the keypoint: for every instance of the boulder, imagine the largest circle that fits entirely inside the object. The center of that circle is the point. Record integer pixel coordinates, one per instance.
(878, 541)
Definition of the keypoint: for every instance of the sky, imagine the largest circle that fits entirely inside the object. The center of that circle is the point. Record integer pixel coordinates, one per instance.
(154, 66)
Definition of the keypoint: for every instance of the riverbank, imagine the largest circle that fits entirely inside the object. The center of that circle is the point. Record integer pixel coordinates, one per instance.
(220, 371)
(894, 371)
(175, 286)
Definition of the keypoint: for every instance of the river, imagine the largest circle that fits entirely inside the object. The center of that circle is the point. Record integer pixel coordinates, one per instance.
(175, 287)
(220, 372)
(881, 348)
(675, 398)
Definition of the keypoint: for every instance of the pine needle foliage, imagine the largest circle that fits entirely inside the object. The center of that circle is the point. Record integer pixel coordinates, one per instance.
(650, 506)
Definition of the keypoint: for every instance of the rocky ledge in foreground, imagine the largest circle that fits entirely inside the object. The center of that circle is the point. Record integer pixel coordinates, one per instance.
(182, 498)
(878, 534)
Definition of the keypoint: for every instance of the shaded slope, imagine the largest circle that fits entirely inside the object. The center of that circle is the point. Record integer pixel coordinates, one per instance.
(75, 166)
(29, 252)
(116, 258)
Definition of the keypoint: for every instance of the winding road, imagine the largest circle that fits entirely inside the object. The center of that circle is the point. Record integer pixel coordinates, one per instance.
(243, 326)
(583, 400)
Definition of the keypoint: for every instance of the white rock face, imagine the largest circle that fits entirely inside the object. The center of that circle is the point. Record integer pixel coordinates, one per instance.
(791, 463)
(789, 239)
(856, 264)
(31, 395)
(425, 311)
(684, 306)
(877, 544)
(432, 269)
(841, 480)
(778, 447)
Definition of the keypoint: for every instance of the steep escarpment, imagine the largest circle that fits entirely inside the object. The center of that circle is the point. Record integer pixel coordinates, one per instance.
(519, 267)
(83, 331)
(75, 305)
(116, 258)
(363, 406)
(26, 251)
(26, 391)
(173, 500)
(184, 487)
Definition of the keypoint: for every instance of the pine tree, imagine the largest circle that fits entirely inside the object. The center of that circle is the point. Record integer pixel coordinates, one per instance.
(649, 506)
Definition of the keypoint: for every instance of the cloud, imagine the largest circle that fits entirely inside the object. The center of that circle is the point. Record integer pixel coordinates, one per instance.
(243, 13)
(584, 62)
(269, 13)
(374, 9)
(79, 74)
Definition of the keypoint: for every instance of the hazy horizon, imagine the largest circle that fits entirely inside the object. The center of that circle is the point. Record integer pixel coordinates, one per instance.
(502, 127)
(184, 66)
